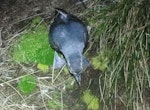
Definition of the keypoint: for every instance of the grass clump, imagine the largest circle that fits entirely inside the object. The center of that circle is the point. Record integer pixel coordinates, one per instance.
(33, 47)
(27, 84)
(100, 61)
(91, 100)
(55, 103)
(125, 32)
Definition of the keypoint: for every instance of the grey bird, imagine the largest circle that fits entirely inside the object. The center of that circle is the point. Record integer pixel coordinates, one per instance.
(69, 36)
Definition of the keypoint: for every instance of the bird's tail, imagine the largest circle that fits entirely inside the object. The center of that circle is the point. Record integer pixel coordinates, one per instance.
(61, 11)
(82, 2)
(61, 14)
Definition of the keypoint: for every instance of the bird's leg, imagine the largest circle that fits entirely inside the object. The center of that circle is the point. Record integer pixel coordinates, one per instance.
(59, 62)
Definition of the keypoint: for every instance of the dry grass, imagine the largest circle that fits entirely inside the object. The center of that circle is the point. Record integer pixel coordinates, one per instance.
(49, 86)
(123, 29)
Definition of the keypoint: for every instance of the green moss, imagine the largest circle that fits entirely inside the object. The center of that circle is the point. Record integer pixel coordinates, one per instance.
(91, 100)
(66, 71)
(54, 105)
(100, 61)
(42, 67)
(27, 84)
(33, 47)
(70, 84)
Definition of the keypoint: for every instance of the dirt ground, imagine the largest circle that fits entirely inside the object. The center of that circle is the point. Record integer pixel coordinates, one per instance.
(15, 15)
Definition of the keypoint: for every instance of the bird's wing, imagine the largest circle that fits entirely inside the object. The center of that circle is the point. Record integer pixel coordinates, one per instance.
(52, 43)
(72, 33)
(58, 36)
(79, 32)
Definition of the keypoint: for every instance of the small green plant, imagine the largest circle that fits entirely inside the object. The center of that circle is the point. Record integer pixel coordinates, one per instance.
(100, 61)
(33, 46)
(43, 67)
(91, 100)
(27, 84)
(54, 105)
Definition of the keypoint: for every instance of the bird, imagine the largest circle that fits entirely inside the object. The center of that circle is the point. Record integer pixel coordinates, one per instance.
(68, 36)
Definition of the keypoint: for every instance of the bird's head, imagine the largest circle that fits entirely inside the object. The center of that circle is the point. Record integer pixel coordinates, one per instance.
(76, 65)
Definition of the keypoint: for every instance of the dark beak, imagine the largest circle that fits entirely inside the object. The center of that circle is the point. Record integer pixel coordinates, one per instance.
(78, 78)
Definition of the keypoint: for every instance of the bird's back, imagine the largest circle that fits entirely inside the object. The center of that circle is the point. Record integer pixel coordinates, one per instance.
(66, 32)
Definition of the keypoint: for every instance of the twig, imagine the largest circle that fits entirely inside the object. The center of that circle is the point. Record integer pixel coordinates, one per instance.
(0, 37)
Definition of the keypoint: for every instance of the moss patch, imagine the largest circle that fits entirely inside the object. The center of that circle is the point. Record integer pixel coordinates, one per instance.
(91, 100)
(33, 47)
(27, 84)
(55, 103)
(100, 61)
(42, 67)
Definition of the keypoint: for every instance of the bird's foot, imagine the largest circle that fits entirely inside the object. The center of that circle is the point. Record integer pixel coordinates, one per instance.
(59, 62)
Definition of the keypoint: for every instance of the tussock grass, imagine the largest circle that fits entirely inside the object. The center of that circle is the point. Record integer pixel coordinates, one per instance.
(123, 28)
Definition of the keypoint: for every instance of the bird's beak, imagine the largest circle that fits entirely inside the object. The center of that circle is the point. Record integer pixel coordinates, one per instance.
(78, 78)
